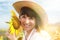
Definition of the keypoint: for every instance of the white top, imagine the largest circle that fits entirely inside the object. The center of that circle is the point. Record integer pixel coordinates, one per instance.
(34, 35)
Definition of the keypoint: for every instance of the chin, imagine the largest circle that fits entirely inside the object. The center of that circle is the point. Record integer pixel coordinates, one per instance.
(28, 29)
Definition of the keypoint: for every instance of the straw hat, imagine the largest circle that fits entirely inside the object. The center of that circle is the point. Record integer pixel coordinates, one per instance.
(37, 8)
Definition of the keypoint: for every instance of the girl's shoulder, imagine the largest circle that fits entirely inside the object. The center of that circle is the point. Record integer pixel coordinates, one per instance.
(42, 35)
(45, 35)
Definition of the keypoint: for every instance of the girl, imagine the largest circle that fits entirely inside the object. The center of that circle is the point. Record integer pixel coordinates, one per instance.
(31, 18)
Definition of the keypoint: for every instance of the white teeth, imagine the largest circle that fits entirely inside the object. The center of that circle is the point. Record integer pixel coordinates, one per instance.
(27, 25)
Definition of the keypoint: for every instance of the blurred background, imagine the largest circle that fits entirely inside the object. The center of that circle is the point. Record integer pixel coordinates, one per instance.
(51, 7)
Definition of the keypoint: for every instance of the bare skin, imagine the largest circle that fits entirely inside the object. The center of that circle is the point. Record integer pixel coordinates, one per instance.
(27, 23)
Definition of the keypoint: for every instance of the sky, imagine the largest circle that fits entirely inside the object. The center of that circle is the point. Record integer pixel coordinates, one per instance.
(51, 7)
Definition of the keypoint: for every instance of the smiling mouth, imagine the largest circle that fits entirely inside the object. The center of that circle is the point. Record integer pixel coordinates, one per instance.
(26, 25)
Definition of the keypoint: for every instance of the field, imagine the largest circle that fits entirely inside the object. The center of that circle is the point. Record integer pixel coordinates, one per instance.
(52, 29)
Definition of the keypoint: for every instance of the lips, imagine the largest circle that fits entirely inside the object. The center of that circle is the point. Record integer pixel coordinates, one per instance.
(26, 25)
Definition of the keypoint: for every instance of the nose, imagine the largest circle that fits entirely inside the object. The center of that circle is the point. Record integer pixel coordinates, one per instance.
(27, 21)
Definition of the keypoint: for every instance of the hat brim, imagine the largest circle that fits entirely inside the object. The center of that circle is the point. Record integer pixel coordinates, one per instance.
(37, 8)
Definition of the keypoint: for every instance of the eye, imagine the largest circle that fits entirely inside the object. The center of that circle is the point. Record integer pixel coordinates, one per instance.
(31, 18)
(23, 16)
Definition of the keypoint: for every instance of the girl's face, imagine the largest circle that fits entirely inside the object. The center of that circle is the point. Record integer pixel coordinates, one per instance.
(27, 23)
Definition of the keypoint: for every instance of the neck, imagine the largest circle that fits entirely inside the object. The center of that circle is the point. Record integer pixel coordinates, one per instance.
(28, 32)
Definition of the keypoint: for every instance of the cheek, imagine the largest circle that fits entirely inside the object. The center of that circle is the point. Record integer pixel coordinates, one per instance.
(32, 23)
(22, 21)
